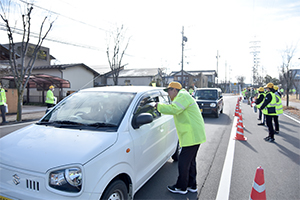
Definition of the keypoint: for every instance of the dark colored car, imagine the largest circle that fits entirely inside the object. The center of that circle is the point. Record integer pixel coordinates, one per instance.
(209, 100)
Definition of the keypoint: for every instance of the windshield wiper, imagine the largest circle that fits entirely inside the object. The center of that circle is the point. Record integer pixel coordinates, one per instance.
(44, 123)
(67, 122)
(102, 124)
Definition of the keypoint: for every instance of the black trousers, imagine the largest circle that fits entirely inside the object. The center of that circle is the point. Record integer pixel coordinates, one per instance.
(259, 114)
(3, 111)
(187, 167)
(49, 105)
(269, 120)
(276, 123)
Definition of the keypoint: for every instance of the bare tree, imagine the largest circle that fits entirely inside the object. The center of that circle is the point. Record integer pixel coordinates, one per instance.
(116, 55)
(287, 76)
(22, 70)
(241, 81)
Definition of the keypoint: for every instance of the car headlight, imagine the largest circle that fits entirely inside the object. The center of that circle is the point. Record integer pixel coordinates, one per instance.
(213, 105)
(68, 180)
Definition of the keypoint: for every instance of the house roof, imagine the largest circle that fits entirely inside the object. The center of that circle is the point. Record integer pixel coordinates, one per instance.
(101, 69)
(65, 66)
(4, 53)
(43, 81)
(194, 73)
(138, 72)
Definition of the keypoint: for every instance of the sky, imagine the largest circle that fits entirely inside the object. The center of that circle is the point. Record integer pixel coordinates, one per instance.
(81, 31)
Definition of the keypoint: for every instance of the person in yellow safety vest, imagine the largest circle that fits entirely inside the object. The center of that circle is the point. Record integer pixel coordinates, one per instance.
(50, 99)
(191, 133)
(3, 104)
(259, 101)
(244, 93)
(191, 91)
(279, 108)
(269, 110)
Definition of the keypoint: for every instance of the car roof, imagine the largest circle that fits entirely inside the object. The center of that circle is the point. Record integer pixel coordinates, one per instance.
(129, 89)
(209, 89)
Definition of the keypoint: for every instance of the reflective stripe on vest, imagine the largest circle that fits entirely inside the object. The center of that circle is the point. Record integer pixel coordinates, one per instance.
(279, 107)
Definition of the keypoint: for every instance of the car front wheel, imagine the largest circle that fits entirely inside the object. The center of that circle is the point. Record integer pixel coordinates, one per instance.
(217, 114)
(117, 190)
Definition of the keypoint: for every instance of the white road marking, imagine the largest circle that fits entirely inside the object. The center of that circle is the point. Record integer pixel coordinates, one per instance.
(224, 185)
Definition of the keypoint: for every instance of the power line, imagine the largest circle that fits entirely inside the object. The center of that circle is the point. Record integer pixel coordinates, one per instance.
(35, 35)
(56, 13)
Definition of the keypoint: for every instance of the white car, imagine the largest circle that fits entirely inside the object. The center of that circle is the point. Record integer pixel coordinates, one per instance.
(98, 143)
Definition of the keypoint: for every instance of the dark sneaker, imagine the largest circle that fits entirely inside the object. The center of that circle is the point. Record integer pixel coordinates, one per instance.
(267, 138)
(276, 132)
(192, 189)
(271, 140)
(173, 189)
(261, 124)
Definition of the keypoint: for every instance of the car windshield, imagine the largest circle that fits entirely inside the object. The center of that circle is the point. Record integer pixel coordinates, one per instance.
(206, 95)
(90, 110)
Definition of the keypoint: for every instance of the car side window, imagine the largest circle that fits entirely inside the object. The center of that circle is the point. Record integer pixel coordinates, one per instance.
(164, 99)
(146, 106)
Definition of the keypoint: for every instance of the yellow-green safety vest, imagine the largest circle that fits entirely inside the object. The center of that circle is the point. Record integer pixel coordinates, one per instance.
(259, 105)
(2, 97)
(187, 117)
(49, 97)
(270, 109)
(279, 107)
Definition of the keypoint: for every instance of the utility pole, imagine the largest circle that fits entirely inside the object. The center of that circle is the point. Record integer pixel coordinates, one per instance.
(184, 39)
(255, 51)
(218, 56)
(226, 77)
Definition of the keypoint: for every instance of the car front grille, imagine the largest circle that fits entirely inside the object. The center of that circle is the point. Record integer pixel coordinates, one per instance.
(201, 104)
(32, 185)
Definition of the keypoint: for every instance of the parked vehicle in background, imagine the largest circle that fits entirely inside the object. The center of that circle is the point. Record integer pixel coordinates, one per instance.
(210, 101)
(98, 143)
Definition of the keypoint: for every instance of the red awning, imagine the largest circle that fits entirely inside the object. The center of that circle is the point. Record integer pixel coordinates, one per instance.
(43, 81)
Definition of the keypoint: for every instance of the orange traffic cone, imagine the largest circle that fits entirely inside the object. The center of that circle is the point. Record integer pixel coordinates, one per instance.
(237, 111)
(240, 120)
(258, 190)
(240, 134)
(240, 129)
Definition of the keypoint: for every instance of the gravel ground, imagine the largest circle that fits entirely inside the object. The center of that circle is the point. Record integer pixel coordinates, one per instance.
(292, 111)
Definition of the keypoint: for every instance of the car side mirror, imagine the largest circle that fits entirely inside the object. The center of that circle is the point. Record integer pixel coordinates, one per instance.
(221, 96)
(141, 119)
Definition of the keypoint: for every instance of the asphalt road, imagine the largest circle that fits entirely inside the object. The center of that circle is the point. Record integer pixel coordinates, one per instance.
(280, 160)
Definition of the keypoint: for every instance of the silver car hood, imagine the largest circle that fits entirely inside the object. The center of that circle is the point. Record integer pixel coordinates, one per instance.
(38, 147)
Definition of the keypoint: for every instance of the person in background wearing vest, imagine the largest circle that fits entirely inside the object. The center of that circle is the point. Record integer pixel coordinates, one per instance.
(191, 91)
(2, 104)
(191, 133)
(269, 110)
(279, 108)
(259, 101)
(50, 99)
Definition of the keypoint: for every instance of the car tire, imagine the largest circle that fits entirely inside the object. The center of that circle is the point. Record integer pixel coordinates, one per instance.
(217, 114)
(175, 156)
(116, 190)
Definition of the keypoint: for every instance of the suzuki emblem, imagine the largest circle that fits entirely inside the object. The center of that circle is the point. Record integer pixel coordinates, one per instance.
(16, 179)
